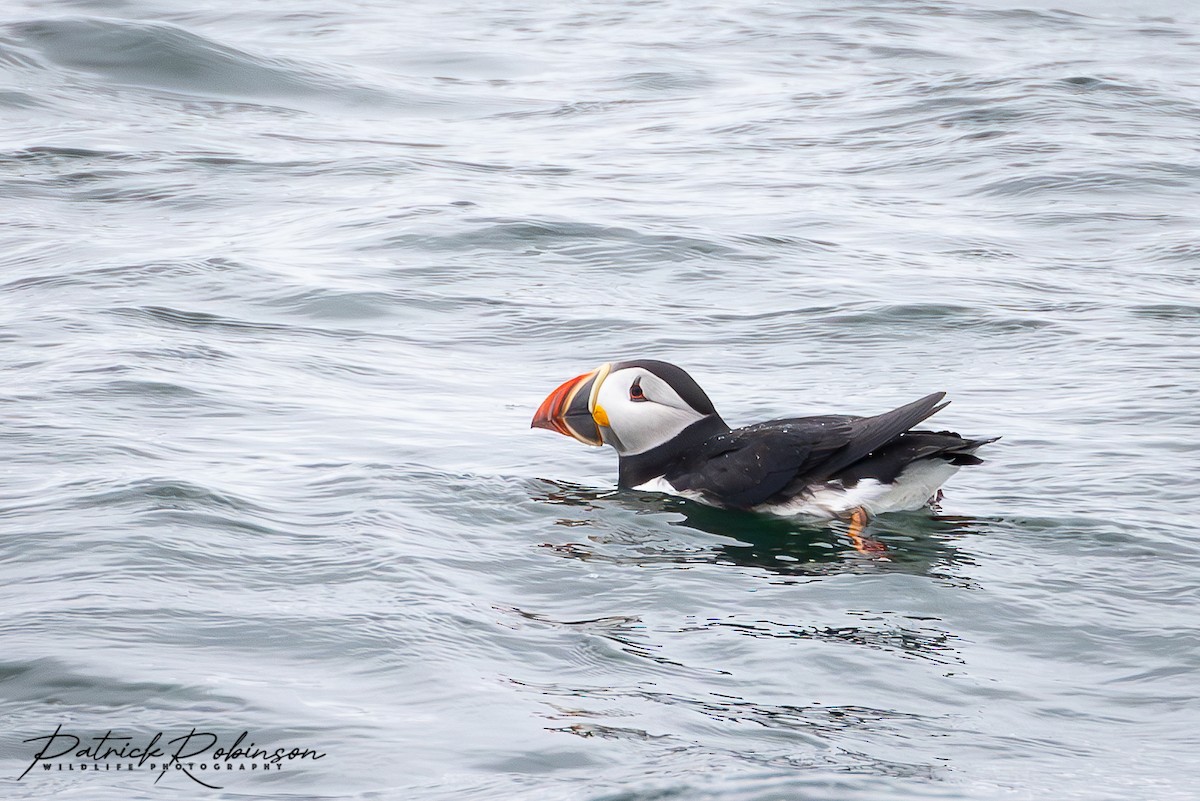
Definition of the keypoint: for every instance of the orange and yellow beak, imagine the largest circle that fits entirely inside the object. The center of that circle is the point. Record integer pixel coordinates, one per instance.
(572, 409)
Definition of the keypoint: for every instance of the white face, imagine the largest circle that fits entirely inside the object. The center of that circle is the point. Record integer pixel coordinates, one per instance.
(642, 411)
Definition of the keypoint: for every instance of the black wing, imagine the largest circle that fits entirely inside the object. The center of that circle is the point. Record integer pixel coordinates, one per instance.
(746, 467)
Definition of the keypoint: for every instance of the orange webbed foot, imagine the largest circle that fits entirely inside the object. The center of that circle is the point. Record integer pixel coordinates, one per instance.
(858, 521)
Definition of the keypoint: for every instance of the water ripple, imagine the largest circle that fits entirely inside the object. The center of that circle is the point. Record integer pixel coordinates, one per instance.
(284, 283)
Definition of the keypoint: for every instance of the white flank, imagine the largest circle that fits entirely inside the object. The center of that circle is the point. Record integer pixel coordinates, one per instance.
(912, 490)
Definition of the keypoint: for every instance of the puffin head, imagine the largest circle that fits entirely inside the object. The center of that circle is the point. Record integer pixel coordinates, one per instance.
(633, 406)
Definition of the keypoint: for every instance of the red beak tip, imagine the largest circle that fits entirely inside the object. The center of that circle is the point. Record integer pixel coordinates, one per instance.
(553, 413)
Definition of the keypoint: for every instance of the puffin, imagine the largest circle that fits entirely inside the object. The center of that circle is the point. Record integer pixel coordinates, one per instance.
(670, 439)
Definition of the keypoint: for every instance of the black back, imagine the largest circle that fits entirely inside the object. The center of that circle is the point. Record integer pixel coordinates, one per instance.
(752, 465)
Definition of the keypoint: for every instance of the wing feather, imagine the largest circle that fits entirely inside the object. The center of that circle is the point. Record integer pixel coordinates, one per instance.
(746, 467)
(874, 432)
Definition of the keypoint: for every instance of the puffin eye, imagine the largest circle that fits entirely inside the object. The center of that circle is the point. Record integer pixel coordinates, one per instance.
(635, 391)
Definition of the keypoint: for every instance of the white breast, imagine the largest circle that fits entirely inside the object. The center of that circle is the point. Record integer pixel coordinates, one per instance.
(660, 484)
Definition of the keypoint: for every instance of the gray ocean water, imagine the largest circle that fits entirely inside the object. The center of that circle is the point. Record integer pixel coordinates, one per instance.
(281, 284)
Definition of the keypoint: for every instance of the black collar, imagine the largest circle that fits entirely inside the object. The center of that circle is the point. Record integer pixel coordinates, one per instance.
(641, 467)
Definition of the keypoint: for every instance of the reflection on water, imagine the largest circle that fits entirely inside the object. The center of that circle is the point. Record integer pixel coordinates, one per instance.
(641, 530)
(916, 543)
